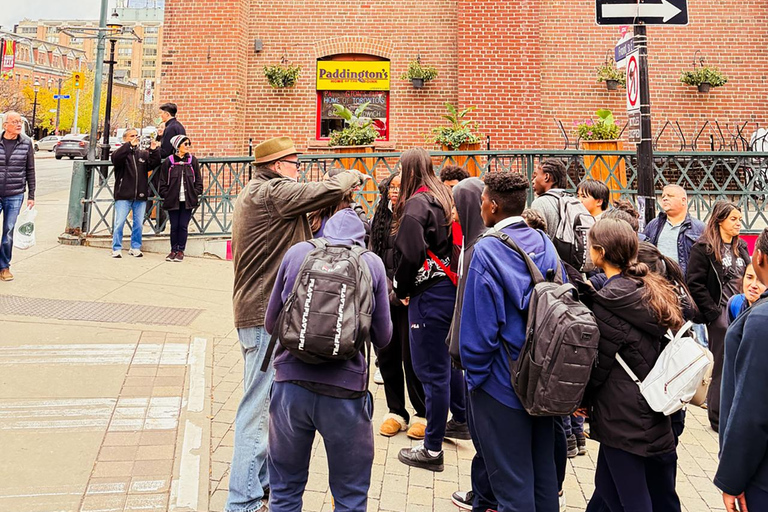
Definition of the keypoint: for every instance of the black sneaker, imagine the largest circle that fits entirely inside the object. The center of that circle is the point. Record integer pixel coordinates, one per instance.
(419, 457)
(573, 449)
(456, 430)
(581, 443)
(463, 500)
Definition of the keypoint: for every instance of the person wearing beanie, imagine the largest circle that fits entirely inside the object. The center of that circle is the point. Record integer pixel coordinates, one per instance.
(181, 185)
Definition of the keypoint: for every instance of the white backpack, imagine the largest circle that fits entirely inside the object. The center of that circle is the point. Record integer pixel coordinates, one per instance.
(684, 369)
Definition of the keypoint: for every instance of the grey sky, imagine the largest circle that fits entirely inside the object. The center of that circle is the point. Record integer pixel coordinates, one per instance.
(14, 11)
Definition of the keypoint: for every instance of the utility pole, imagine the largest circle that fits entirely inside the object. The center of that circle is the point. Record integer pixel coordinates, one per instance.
(99, 71)
(108, 113)
(58, 107)
(645, 175)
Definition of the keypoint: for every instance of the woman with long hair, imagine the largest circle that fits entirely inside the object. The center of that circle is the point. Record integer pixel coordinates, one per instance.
(395, 358)
(637, 461)
(423, 279)
(715, 272)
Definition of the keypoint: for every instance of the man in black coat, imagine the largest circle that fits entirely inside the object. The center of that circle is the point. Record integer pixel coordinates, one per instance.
(171, 128)
(17, 174)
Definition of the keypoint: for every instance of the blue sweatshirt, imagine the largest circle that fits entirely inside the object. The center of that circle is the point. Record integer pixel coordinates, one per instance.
(743, 408)
(497, 293)
(342, 228)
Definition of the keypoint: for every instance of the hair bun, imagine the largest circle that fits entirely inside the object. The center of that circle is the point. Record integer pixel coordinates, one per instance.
(638, 269)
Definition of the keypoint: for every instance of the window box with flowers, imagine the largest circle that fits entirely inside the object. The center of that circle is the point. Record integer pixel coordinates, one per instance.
(602, 134)
(459, 135)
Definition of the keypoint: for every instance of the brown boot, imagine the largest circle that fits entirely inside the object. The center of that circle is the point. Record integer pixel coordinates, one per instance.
(5, 275)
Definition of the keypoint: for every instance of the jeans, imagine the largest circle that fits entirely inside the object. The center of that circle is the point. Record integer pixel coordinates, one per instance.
(10, 206)
(296, 414)
(179, 227)
(122, 207)
(574, 425)
(248, 473)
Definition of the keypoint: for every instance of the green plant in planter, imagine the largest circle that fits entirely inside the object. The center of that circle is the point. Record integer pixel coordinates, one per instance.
(704, 75)
(417, 71)
(604, 128)
(459, 132)
(282, 76)
(359, 130)
(609, 71)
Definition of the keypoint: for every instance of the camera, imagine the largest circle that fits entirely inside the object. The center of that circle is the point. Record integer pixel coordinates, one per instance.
(144, 142)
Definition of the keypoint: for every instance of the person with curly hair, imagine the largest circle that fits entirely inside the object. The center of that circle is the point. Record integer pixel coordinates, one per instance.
(452, 175)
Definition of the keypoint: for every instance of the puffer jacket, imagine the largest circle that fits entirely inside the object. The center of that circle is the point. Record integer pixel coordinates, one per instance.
(619, 415)
(17, 170)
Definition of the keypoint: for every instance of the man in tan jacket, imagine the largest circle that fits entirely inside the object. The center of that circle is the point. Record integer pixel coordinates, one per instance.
(269, 218)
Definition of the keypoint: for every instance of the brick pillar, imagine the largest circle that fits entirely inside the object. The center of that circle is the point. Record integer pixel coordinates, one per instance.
(204, 70)
(499, 69)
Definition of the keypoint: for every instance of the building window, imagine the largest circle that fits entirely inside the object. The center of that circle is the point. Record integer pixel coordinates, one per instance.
(29, 30)
(148, 64)
(54, 38)
(124, 51)
(151, 30)
(378, 110)
(150, 40)
(150, 51)
(148, 73)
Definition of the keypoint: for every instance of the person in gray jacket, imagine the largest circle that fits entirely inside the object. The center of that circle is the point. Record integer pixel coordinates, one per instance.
(17, 175)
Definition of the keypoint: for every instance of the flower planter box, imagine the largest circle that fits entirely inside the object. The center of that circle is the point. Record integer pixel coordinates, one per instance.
(473, 165)
(610, 169)
(364, 165)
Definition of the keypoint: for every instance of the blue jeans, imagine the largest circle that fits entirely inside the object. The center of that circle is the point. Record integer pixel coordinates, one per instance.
(248, 473)
(122, 207)
(296, 414)
(10, 206)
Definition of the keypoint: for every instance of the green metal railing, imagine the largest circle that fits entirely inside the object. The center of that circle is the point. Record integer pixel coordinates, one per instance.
(741, 177)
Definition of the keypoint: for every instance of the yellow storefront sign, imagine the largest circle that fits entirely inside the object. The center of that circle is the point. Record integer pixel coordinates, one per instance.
(337, 75)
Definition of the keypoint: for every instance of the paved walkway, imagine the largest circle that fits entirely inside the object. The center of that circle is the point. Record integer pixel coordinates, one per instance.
(106, 405)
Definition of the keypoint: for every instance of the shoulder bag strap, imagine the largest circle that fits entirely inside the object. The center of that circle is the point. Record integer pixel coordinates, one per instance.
(626, 369)
(532, 268)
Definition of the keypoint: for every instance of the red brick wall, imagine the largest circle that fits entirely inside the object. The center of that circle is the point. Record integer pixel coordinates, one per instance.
(521, 63)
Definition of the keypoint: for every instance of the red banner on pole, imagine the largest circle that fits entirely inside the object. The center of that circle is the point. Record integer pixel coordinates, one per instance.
(9, 60)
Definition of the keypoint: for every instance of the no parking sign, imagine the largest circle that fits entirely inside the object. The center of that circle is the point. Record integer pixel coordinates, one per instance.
(633, 82)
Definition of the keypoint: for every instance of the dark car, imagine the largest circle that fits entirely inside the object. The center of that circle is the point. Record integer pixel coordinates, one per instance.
(72, 146)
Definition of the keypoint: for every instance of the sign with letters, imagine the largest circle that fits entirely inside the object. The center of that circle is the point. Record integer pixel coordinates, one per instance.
(338, 75)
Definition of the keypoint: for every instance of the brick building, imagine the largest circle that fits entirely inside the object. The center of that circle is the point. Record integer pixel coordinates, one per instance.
(522, 63)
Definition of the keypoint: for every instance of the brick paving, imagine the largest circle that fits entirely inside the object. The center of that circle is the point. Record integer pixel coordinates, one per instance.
(396, 487)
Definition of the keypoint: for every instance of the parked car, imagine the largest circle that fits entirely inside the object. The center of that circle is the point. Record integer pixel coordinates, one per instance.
(114, 143)
(72, 146)
(49, 142)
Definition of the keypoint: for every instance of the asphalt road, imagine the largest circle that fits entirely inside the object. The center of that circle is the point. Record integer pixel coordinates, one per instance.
(52, 175)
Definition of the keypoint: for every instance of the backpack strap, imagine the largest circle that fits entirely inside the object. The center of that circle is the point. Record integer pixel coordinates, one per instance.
(628, 370)
(507, 240)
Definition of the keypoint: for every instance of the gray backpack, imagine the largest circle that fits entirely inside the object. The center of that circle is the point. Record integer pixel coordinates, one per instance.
(553, 368)
(570, 238)
(327, 316)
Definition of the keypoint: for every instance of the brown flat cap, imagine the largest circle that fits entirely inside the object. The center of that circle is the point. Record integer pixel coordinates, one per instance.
(274, 149)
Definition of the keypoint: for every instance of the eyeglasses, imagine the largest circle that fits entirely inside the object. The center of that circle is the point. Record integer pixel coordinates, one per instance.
(294, 162)
(186, 143)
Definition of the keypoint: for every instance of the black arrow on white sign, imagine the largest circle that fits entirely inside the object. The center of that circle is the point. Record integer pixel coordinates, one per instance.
(626, 12)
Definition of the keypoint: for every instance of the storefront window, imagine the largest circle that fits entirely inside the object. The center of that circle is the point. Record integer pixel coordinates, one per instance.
(378, 110)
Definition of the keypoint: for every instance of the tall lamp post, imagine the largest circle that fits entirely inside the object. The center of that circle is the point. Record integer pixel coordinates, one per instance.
(58, 107)
(36, 85)
(114, 29)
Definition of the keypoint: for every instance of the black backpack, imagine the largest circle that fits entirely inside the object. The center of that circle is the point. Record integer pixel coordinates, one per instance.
(552, 371)
(327, 316)
(570, 237)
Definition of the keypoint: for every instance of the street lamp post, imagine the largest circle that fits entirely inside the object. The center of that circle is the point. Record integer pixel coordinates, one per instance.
(36, 85)
(115, 29)
(58, 107)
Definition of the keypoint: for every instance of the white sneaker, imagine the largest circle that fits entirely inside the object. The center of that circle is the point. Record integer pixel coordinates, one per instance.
(377, 378)
(136, 253)
(562, 502)
(117, 254)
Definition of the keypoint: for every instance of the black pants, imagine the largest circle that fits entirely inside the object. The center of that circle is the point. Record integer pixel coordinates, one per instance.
(716, 331)
(561, 451)
(629, 483)
(518, 453)
(394, 360)
(179, 227)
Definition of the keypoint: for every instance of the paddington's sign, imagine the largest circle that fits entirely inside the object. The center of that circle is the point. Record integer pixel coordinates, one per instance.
(339, 75)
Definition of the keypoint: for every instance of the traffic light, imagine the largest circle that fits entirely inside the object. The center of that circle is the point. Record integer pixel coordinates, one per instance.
(78, 79)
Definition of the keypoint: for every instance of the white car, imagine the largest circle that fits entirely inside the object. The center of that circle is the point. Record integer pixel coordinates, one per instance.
(49, 142)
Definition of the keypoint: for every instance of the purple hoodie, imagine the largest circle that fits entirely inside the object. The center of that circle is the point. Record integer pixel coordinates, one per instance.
(342, 228)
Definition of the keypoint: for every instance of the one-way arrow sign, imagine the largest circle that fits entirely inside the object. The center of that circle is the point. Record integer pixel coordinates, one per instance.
(648, 12)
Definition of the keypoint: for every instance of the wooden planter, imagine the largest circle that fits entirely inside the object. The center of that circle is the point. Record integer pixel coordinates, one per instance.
(470, 164)
(364, 165)
(601, 169)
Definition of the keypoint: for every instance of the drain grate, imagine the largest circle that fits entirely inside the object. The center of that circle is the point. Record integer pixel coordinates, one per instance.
(111, 312)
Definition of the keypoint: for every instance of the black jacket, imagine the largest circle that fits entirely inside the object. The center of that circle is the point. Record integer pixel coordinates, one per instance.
(705, 278)
(423, 227)
(619, 415)
(172, 128)
(17, 169)
(132, 168)
(170, 182)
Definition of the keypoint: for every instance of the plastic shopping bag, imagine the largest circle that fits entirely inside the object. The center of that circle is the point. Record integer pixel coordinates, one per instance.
(24, 233)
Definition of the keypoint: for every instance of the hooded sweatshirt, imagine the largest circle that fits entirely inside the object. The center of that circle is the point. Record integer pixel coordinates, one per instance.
(341, 377)
(467, 197)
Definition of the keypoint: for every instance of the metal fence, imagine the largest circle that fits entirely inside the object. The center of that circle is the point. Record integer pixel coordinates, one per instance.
(741, 177)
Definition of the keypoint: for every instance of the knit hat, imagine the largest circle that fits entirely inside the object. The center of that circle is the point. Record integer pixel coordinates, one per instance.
(177, 140)
(274, 149)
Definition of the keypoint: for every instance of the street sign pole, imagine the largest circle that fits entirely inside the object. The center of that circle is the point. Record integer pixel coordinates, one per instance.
(75, 130)
(97, 79)
(646, 199)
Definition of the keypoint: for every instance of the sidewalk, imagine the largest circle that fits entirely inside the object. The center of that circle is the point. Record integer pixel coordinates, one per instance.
(106, 405)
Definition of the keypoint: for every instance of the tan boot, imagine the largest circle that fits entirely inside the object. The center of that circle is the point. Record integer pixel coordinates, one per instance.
(418, 428)
(393, 424)
(5, 275)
